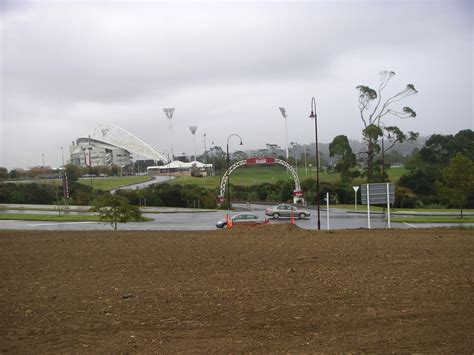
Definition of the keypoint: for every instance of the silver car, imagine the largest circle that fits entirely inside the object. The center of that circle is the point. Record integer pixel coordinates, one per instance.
(285, 210)
(242, 219)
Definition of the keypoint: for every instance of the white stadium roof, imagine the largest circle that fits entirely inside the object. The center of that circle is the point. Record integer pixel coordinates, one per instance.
(181, 165)
(121, 138)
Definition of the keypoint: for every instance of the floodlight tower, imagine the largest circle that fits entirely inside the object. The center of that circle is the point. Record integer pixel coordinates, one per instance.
(204, 155)
(283, 113)
(169, 113)
(193, 130)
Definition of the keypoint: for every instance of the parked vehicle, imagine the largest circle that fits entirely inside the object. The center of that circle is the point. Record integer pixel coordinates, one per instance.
(242, 219)
(285, 210)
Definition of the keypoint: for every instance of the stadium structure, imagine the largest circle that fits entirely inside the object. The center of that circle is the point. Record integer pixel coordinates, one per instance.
(109, 145)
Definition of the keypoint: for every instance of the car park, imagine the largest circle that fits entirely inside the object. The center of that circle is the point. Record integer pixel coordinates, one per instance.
(287, 211)
(242, 219)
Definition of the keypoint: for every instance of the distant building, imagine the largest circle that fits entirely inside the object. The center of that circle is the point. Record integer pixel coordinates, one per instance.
(109, 145)
(194, 168)
(85, 152)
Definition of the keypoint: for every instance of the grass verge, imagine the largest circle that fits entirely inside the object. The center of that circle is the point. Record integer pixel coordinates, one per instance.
(433, 219)
(55, 218)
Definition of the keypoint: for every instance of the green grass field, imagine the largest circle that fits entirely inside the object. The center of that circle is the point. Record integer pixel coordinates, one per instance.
(253, 175)
(108, 183)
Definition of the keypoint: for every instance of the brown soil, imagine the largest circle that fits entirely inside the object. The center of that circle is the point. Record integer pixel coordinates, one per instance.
(267, 289)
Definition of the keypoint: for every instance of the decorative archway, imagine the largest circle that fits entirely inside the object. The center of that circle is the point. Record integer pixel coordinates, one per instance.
(297, 193)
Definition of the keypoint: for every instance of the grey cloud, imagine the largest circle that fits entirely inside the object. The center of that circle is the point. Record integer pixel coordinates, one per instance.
(225, 67)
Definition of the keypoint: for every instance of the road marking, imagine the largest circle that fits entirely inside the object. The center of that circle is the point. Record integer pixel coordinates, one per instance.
(57, 224)
(410, 225)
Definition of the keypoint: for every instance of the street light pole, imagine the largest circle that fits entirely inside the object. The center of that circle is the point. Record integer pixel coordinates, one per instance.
(314, 115)
(42, 157)
(305, 165)
(228, 164)
(169, 113)
(283, 113)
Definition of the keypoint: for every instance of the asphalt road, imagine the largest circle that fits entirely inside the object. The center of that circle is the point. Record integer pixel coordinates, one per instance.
(338, 219)
(189, 219)
(142, 185)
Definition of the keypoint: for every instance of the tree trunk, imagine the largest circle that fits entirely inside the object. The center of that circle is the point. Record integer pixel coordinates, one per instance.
(370, 161)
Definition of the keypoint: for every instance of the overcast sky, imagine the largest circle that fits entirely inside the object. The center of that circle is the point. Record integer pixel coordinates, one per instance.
(226, 67)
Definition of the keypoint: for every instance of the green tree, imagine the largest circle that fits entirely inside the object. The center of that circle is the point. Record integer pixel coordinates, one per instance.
(347, 162)
(425, 166)
(457, 181)
(73, 172)
(3, 173)
(116, 209)
(372, 113)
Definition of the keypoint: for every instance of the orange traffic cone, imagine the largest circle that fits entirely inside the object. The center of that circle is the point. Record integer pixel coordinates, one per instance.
(229, 221)
(292, 218)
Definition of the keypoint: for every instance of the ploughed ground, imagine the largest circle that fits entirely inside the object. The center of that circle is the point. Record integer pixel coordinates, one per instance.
(267, 289)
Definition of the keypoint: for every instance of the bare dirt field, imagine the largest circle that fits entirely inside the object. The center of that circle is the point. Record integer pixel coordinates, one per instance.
(268, 289)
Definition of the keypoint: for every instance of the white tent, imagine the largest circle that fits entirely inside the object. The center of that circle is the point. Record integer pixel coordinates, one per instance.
(179, 165)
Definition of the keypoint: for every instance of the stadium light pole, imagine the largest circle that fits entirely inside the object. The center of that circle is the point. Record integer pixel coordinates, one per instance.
(169, 113)
(283, 113)
(204, 155)
(228, 164)
(293, 147)
(193, 130)
(314, 115)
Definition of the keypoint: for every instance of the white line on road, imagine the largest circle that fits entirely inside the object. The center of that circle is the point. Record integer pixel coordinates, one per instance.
(410, 225)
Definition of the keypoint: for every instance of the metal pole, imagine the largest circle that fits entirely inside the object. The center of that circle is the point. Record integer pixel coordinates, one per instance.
(368, 206)
(228, 177)
(169, 173)
(383, 160)
(388, 204)
(286, 138)
(62, 156)
(305, 165)
(204, 155)
(171, 140)
(228, 165)
(315, 116)
(327, 209)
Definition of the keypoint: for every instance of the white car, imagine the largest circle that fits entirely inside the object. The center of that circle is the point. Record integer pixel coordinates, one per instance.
(285, 210)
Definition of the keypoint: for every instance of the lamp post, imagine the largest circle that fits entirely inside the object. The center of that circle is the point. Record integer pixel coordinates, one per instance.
(169, 113)
(314, 115)
(283, 113)
(228, 164)
(305, 163)
(42, 157)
